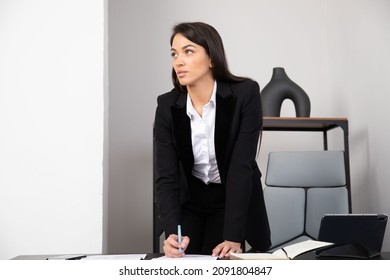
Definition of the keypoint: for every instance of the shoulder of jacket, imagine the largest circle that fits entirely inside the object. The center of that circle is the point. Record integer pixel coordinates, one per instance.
(245, 88)
(170, 96)
(245, 83)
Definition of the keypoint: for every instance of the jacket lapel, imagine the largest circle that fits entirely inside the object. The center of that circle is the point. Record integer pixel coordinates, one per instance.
(182, 132)
(226, 103)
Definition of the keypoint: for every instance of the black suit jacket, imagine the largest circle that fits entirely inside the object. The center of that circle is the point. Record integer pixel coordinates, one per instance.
(237, 127)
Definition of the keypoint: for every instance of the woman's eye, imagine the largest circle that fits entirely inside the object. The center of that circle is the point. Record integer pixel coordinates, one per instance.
(173, 55)
(189, 51)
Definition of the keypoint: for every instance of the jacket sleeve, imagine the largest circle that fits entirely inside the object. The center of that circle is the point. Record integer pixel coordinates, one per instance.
(166, 169)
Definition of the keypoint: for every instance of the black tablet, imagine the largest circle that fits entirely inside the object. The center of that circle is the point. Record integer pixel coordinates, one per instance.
(354, 235)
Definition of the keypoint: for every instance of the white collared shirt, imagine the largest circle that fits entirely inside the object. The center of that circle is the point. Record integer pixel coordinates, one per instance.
(202, 135)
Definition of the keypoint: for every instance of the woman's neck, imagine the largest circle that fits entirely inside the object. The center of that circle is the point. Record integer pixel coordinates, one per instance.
(201, 94)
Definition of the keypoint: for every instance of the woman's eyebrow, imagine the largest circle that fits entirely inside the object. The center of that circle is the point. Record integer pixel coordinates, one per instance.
(185, 47)
(188, 46)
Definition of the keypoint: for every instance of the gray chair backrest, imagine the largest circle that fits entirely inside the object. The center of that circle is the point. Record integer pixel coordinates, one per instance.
(302, 186)
(306, 169)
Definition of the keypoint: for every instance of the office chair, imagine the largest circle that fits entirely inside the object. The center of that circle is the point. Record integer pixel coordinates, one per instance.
(300, 187)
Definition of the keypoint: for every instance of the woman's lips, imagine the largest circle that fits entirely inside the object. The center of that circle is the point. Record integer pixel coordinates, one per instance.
(181, 74)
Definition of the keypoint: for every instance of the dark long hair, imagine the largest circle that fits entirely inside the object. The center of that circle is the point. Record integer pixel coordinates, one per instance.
(206, 36)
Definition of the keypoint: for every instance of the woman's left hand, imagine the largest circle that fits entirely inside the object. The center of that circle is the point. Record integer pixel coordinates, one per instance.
(225, 248)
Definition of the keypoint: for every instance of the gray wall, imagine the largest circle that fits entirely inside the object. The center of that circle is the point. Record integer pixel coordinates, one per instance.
(336, 50)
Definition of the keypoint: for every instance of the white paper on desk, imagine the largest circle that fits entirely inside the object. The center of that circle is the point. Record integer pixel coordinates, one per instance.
(259, 256)
(188, 257)
(116, 257)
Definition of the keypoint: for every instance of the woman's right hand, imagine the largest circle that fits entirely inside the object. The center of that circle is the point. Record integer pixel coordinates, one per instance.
(171, 246)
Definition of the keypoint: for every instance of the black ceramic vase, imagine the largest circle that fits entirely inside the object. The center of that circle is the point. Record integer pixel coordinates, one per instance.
(280, 88)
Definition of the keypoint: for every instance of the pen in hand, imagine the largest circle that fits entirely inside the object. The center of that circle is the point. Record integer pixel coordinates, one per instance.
(179, 237)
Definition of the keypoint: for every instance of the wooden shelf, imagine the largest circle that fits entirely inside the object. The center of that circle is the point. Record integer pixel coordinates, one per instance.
(303, 124)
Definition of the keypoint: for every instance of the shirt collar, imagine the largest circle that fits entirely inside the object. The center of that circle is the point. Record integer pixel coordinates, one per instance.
(191, 110)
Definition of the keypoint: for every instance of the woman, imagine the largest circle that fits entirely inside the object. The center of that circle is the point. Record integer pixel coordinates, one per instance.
(206, 132)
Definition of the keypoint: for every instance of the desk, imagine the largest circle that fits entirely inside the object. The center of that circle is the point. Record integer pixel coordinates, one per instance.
(311, 256)
(307, 256)
(45, 256)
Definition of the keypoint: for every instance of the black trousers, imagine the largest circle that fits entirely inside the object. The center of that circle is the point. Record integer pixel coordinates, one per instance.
(203, 216)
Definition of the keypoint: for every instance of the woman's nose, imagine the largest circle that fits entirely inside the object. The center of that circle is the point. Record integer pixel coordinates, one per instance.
(179, 61)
